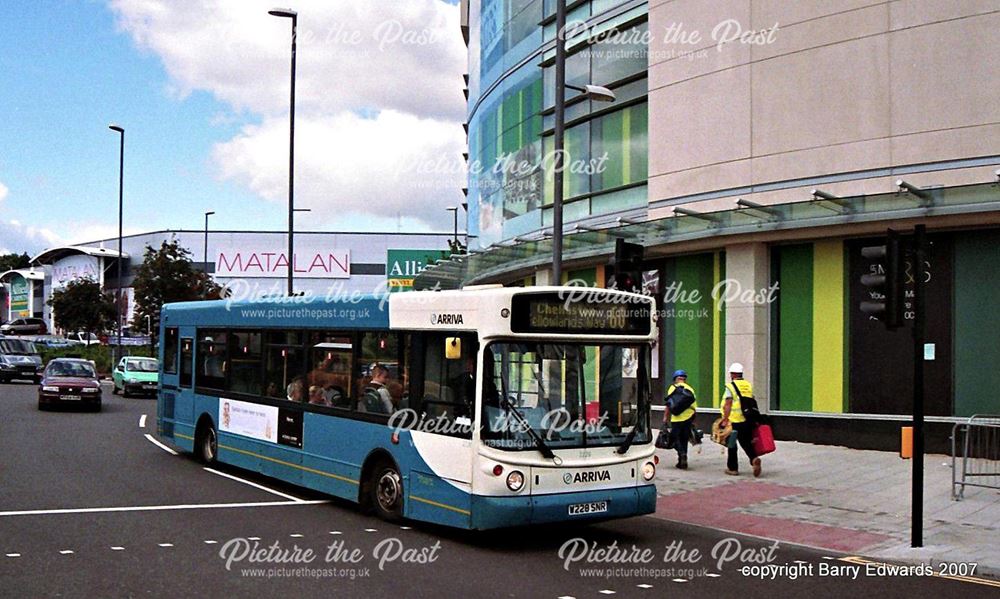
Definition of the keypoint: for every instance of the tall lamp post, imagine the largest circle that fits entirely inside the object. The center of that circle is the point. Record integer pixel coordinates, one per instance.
(294, 16)
(592, 92)
(455, 233)
(204, 259)
(121, 189)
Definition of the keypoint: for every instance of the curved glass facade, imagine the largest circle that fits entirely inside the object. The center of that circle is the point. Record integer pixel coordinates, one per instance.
(511, 89)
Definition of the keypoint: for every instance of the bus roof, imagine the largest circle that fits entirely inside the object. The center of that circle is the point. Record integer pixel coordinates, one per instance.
(483, 309)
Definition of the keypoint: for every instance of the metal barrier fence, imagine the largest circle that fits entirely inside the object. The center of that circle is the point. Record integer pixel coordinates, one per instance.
(975, 454)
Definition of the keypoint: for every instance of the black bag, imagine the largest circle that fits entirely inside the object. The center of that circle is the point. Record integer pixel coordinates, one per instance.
(680, 400)
(663, 439)
(749, 406)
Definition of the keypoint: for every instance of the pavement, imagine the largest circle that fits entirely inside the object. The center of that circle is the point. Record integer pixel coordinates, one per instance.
(834, 498)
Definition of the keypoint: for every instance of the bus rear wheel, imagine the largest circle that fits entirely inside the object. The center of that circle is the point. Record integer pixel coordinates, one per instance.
(207, 445)
(387, 491)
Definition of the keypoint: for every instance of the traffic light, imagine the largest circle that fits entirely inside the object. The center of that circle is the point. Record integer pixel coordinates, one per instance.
(628, 266)
(885, 282)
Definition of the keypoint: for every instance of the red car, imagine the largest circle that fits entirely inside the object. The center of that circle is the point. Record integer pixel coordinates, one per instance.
(70, 381)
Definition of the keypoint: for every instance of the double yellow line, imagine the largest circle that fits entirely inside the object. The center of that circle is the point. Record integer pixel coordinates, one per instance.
(982, 581)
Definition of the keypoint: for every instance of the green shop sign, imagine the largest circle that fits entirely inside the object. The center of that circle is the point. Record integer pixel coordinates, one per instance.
(401, 266)
(19, 296)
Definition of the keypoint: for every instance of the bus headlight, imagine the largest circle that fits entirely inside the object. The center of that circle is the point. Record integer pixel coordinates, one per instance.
(648, 471)
(515, 481)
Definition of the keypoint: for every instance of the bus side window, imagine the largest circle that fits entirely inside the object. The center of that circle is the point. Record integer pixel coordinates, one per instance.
(170, 346)
(212, 359)
(187, 361)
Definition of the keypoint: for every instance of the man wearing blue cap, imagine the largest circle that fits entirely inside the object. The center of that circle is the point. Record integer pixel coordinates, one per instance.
(680, 409)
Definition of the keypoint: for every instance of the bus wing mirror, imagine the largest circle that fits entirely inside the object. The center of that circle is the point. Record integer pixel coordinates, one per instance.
(453, 348)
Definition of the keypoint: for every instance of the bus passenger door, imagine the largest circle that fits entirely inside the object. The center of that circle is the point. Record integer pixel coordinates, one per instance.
(442, 403)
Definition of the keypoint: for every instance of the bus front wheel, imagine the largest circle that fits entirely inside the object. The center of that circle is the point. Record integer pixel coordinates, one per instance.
(207, 445)
(387, 491)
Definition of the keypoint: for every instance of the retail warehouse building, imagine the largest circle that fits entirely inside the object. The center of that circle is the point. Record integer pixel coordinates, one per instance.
(249, 262)
(709, 157)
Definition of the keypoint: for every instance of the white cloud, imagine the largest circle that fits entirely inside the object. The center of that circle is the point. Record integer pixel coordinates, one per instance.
(378, 89)
(3, 191)
(352, 54)
(15, 237)
(391, 164)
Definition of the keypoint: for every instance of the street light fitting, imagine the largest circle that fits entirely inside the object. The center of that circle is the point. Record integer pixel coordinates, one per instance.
(597, 93)
(210, 213)
(283, 12)
(117, 128)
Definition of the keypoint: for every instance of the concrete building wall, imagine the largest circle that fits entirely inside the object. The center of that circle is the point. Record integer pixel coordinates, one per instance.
(846, 89)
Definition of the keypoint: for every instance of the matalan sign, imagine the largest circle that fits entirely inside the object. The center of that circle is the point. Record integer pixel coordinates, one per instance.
(318, 264)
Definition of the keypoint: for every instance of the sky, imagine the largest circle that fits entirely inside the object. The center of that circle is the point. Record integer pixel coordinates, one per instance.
(202, 91)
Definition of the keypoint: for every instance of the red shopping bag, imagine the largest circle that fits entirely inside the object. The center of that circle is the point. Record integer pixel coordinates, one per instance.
(763, 439)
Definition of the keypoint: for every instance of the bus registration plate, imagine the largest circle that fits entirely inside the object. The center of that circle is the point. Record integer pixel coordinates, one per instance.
(593, 507)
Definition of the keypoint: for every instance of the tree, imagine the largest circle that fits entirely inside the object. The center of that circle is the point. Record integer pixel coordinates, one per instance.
(82, 306)
(167, 275)
(14, 261)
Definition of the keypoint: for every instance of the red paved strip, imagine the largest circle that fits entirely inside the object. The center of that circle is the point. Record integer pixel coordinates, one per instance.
(713, 507)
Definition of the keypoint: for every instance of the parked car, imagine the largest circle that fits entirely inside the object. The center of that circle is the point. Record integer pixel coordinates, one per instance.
(136, 376)
(24, 326)
(81, 338)
(70, 381)
(19, 359)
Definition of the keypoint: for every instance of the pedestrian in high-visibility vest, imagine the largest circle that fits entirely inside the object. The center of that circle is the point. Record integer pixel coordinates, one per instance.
(680, 423)
(736, 391)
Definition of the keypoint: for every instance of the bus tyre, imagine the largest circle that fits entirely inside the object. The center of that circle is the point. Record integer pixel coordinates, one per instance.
(387, 491)
(207, 445)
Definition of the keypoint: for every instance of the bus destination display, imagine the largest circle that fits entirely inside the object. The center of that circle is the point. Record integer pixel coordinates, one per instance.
(549, 313)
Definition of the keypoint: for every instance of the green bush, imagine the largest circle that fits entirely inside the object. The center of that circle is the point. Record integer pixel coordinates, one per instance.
(100, 354)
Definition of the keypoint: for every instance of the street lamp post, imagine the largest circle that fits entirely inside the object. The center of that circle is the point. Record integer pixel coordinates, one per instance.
(121, 189)
(291, 14)
(592, 92)
(204, 259)
(455, 230)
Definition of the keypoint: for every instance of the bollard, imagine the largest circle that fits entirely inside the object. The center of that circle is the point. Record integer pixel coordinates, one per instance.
(906, 442)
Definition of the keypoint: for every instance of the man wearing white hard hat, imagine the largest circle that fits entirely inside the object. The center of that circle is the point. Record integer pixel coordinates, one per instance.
(738, 393)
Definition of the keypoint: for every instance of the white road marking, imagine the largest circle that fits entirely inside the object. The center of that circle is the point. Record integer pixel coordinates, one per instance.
(117, 549)
(66, 552)
(336, 532)
(295, 535)
(142, 421)
(252, 484)
(406, 528)
(680, 580)
(644, 586)
(607, 592)
(160, 445)
(210, 542)
(158, 508)
(371, 530)
(567, 597)
(253, 538)
(166, 544)
(13, 555)
(713, 575)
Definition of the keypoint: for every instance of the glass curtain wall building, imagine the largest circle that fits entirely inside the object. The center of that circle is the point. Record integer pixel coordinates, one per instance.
(510, 114)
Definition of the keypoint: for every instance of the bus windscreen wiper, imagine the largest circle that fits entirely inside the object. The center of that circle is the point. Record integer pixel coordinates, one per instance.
(629, 438)
(539, 442)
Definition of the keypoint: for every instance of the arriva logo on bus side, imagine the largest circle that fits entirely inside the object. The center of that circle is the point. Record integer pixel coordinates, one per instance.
(446, 319)
(586, 477)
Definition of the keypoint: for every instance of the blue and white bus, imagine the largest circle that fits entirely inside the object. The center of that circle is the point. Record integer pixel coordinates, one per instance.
(477, 408)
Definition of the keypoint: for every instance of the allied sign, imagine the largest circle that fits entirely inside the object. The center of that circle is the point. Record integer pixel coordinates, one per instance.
(401, 266)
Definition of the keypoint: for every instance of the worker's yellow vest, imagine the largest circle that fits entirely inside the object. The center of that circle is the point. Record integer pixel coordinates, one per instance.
(746, 389)
(688, 413)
